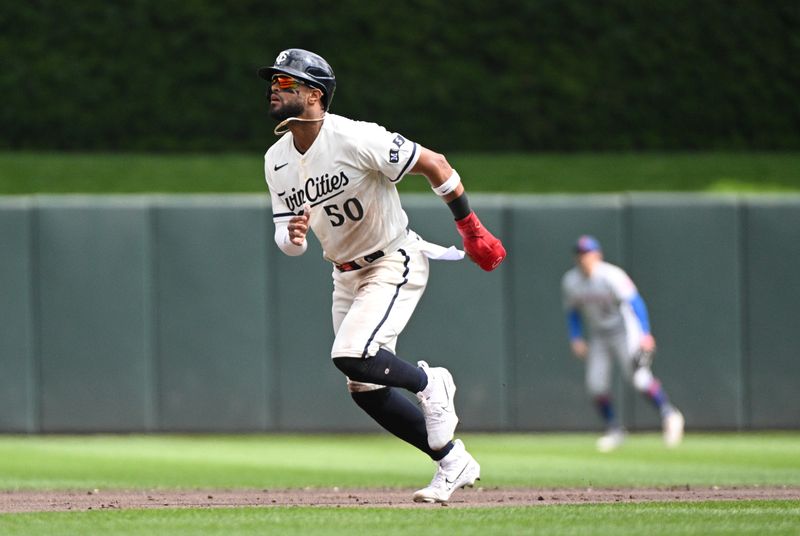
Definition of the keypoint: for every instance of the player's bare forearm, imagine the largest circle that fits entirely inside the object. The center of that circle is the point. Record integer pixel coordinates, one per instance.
(437, 170)
(648, 343)
(579, 348)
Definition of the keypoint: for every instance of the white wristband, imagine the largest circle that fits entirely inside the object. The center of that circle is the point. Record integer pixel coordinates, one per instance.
(448, 186)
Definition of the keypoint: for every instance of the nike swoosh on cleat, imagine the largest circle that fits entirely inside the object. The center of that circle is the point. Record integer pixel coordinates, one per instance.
(277, 167)
(447, 394)
(451, 483)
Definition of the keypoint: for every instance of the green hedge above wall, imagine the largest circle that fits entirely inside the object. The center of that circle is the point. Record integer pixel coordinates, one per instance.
(468, 75)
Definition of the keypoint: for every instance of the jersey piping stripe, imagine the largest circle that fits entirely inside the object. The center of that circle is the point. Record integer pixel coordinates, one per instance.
(365, 353)
(408, 163)
(283, 215)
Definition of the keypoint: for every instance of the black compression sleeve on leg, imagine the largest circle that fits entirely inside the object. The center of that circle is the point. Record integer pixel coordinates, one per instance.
(384, 368)
(398, 415)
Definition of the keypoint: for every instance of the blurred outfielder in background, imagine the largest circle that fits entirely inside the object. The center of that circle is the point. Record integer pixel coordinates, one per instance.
(608, 321)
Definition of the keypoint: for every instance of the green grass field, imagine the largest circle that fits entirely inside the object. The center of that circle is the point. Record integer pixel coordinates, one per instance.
(757, 518)
(539, 461)
(30, 172)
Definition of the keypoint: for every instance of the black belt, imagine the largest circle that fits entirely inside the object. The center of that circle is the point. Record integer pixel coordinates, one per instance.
(359, 263)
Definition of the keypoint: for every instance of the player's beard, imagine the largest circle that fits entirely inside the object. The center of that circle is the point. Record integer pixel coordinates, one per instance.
(286, 110)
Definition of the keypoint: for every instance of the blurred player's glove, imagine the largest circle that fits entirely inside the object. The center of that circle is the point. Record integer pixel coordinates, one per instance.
(481, 246)
(643, 359)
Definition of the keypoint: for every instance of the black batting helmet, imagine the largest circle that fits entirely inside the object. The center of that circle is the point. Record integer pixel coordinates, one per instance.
(307, 67)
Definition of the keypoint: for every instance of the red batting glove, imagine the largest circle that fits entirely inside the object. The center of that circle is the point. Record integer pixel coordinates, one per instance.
(481, 246)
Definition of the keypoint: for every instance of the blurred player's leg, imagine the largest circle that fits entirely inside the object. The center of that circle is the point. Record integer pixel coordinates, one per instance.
(645, 382)
(672, 421)
(615, 435)
(673, 428)
(598, 383)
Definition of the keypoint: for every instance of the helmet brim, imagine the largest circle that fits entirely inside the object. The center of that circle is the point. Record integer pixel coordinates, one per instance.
(267, 72)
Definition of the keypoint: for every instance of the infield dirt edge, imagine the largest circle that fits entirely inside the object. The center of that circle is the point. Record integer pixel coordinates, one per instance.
(83, 500)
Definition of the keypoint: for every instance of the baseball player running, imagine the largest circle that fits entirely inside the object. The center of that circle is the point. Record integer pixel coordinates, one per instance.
(603, 297)
(337, 177)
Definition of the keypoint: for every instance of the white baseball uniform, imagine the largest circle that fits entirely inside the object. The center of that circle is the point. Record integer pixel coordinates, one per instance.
(603, 300)
(348, 176)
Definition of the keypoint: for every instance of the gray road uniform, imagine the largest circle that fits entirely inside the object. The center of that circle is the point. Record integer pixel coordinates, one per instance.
(604, 302)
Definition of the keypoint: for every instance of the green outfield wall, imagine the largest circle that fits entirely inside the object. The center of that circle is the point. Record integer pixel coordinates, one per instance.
(178, 313)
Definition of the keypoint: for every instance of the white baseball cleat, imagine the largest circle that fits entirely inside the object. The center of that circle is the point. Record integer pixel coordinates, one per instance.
(437, 405)
(673, 428)
(456, 470)
(611, 440)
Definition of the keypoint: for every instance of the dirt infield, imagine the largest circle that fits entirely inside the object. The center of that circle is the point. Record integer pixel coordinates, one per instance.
(63, 501)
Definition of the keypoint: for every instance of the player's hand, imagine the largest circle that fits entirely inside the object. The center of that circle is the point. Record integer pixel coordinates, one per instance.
(298, 226)
(579, 348)
(481, 246)
(648, 343)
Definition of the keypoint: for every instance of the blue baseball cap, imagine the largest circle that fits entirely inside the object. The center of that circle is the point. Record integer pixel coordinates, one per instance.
(587, 243)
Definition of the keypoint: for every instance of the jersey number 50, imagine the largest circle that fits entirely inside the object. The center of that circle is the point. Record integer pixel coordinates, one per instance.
(352, 209)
